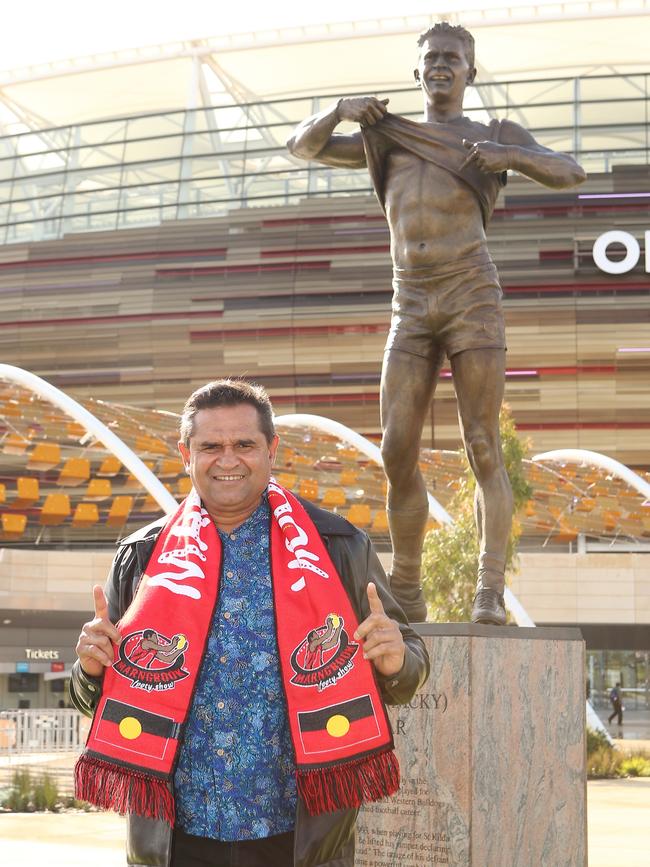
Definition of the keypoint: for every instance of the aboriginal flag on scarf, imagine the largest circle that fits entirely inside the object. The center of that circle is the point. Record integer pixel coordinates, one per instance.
(340, 730)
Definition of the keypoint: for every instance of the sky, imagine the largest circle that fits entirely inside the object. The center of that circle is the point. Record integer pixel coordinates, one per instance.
(42, 31)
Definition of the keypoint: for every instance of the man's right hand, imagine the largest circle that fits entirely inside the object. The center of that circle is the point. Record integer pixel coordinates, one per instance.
(364, 110)
(95, 645)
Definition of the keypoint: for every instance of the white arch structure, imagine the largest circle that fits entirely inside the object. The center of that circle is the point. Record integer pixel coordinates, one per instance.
(94, 426)
(584, 456)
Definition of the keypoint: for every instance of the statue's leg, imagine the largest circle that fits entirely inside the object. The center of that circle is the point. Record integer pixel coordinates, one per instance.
(407, 386)
(479, 376)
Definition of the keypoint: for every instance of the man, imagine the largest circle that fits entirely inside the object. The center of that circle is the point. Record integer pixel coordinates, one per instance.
(617, 705)
(437, 182)
(257, 777)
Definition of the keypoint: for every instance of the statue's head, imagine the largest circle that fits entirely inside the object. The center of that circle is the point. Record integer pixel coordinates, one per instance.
(446, 63)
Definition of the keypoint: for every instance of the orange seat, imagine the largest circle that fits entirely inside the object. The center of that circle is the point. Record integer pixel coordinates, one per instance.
(348, 477)
(308, 488)
(380, 522)
(359, 514)
(119, 511)
(333, 497)
(56, 509)
(150, 444)
(99, 489)
(85, 515)
(184, 486)
(3, 493)
(44, 456)
(74, 472)
(287, 480)
(110, 466)
(75, 429)
(170, 467)
(27, 492)
(14, 444)
(13, 526)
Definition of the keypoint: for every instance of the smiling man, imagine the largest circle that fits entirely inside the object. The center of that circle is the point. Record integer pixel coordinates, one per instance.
(437, 181)
(252, 755)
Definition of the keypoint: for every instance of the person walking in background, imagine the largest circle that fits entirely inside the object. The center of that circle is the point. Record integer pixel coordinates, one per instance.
(617, 705)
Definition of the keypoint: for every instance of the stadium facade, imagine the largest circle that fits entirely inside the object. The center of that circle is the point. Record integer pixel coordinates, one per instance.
(148, 245)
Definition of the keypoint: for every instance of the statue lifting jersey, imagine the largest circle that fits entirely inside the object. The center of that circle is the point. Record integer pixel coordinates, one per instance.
(437, 181)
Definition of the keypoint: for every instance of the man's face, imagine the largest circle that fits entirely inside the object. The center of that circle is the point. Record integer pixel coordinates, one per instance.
(229, 460)
(443, 69)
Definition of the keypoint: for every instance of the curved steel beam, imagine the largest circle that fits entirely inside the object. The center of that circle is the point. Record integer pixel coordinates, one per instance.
(99, 430)
(596, 459)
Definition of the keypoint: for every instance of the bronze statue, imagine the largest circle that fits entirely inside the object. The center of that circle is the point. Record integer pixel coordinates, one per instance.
(437, 181)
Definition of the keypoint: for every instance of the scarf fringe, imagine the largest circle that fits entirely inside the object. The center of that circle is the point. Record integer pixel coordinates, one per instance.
(351, 784)
(122, 790)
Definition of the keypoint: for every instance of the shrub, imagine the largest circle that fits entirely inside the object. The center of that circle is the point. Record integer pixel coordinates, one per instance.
(637, 765)
(596, 740)
(27, 794)
(604, 762)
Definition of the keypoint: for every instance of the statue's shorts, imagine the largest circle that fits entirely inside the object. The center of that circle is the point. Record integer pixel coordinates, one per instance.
(448, 310)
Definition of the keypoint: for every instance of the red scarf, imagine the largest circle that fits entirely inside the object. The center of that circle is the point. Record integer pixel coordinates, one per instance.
(341, 735)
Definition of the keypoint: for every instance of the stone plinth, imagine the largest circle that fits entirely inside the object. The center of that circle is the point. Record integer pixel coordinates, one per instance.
(492, 752)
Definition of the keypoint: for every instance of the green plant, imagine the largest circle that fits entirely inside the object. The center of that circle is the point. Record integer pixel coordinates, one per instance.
(19, 795)
(604, 762)
(45, 793)
(450, 553)
(636, 765)
(596, 740)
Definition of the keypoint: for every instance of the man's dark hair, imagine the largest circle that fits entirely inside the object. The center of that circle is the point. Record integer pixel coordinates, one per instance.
(444, 28)
(228, 392)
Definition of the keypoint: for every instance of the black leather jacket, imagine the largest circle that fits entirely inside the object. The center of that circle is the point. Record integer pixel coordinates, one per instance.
(320, 841)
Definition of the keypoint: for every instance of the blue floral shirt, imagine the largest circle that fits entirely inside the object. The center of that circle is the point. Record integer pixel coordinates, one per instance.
(235, 774)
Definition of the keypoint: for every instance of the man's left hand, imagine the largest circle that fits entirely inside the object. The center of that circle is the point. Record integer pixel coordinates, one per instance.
(488, 156)
(381, 637)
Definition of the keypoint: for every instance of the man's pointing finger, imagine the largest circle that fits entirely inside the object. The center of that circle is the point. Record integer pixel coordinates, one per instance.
(373, 600)
(101, 606)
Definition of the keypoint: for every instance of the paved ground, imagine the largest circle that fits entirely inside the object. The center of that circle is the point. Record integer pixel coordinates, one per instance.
(619, 833)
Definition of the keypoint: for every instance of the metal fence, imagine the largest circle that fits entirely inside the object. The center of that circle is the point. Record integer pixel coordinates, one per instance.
(42, 731)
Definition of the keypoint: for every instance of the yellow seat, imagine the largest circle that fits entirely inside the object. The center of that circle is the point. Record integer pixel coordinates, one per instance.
(74, 472)
(13, 526)
(308, 488)
(56, 509)
(119, 511)
(333, 497)
(75, 429)
(348, 477)
(44, 456)
(27, 492)
(150, 445)
(110, 466)
(99, 489)
(359, 514)
(287, 480)
(184, 486)
(14, 444)
(380, 522)
(170, 467)
(85, 515)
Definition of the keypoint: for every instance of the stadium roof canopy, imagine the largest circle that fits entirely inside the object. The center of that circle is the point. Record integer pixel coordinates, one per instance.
(533, 42)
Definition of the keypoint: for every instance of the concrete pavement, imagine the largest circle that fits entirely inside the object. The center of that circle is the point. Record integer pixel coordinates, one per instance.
(619, 833)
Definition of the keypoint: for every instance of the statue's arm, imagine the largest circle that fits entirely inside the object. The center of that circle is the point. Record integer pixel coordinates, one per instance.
(314, 138)
(518, 150)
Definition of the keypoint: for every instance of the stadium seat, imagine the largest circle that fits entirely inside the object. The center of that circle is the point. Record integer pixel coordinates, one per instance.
(14, 444)
(170, 467)
(287, 480)
(308, 488)
(119, 511)
(380, 522)
(13, 525)
(44, 456)
(110, 466)
(85, 515)
(55, 510)
(74, 472)
(99, 489)
(27, 492)
(348, 477)
(333, 497)
(359, 514)
(3, 493)
(184, 486)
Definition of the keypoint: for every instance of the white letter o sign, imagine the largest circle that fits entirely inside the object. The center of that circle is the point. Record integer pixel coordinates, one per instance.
(633, 251)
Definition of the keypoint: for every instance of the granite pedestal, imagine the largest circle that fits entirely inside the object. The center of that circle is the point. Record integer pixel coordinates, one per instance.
(492, 752)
